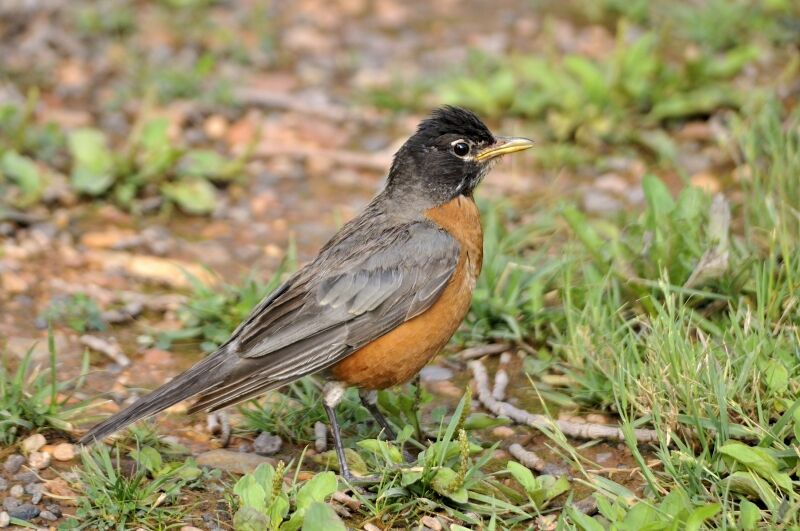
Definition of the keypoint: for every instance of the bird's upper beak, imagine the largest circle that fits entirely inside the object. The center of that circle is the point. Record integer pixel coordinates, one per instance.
(503, 145)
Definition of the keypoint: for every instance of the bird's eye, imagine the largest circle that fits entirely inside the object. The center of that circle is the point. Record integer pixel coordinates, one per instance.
(461, 149)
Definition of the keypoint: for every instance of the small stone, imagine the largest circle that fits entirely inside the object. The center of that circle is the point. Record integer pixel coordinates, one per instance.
(5, 519)
(267, 444)
(35, 490)
(39, 460)
(432, 373)
(47, 515)
(431, 522)
(603, 457)
(26, 477)
(64, 452)
(33, 443)
(10, 502)
(26, 511)
(16, 491)
(503, 432)
(55, 509)
(190, 528)
(3, 484)
(13, 463)
(230, 461)
(597, 418)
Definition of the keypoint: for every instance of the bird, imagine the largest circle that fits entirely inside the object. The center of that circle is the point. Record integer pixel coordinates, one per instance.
(383, 296)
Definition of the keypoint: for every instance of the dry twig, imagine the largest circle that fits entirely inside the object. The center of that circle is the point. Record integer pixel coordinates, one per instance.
(108, 347)
(481, 351)
(571, 429)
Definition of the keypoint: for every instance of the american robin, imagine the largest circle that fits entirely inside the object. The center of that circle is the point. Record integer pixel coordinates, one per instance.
(383, 296)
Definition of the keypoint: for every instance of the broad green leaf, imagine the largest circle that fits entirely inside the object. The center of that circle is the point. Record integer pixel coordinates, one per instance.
(776, 376)
(149, 458)
(586, 522)
(249, 519)
(92, 161)
(759, 460)
(250, 493)
(264, 475)
(382, 448)
(700, 515)
(443, 483)
(639, 516)
(206, 164)
(523, 475)
(749, 484)
(321, 516)
(356, 463)
(316, 489)
(749, 515)
(25, 174)
(193, 196)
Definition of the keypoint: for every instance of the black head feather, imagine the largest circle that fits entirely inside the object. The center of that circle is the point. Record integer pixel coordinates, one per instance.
(428, 170)
(452, 120)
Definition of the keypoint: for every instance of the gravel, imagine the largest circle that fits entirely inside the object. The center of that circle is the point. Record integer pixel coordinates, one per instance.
(13, 463)
(26, 511)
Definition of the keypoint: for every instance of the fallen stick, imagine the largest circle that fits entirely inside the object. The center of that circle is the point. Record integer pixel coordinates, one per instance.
(109, 348)
(571, 429)
(529, 458)
(481, 351)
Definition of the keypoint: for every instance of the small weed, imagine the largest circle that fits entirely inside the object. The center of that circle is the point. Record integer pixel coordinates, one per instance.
(148, 496)
(77, 311)
(265, 502)
(33, 399)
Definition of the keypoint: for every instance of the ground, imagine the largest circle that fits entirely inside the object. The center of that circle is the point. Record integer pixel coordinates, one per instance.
(630, 358)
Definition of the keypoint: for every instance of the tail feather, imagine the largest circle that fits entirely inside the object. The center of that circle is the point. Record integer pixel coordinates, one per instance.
(202, 377)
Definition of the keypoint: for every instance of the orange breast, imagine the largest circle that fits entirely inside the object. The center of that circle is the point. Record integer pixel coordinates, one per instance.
(397, 356)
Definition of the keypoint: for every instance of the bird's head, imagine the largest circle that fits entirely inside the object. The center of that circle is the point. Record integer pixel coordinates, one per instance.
(449, 155)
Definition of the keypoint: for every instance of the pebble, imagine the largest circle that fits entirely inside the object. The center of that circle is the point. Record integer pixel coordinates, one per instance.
(503, 432)
(39, 460)
(47, 515)
(16, 491)
(230, 461)
(54, 509)
(431, 522)
(33, 443)
(11, 503)
(64, 452)
(432, 373)
(26, 477)
(26, 511)
(13, 463)
(3, 484)
(5, 519)
(36, 491)
(190, 528)
(267, 444)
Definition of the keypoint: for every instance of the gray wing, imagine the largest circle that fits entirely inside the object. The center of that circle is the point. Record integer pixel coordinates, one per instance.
(343, 300)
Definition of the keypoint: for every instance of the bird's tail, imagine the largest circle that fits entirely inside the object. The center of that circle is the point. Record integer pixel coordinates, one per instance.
(202, 377)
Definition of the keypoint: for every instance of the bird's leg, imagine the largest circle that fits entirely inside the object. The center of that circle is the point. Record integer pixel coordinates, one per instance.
(370, 401)
(332, 395)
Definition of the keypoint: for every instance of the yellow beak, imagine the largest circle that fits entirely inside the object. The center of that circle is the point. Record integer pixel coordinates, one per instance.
(504, 145)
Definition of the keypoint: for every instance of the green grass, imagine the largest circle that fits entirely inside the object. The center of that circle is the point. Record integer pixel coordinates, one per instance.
(33, 399)
(150, 495)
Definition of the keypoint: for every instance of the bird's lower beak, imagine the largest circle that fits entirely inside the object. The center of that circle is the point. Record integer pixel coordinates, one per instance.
(504, 145)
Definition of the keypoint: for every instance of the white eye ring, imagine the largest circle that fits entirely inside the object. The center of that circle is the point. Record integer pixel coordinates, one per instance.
(460, 148)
